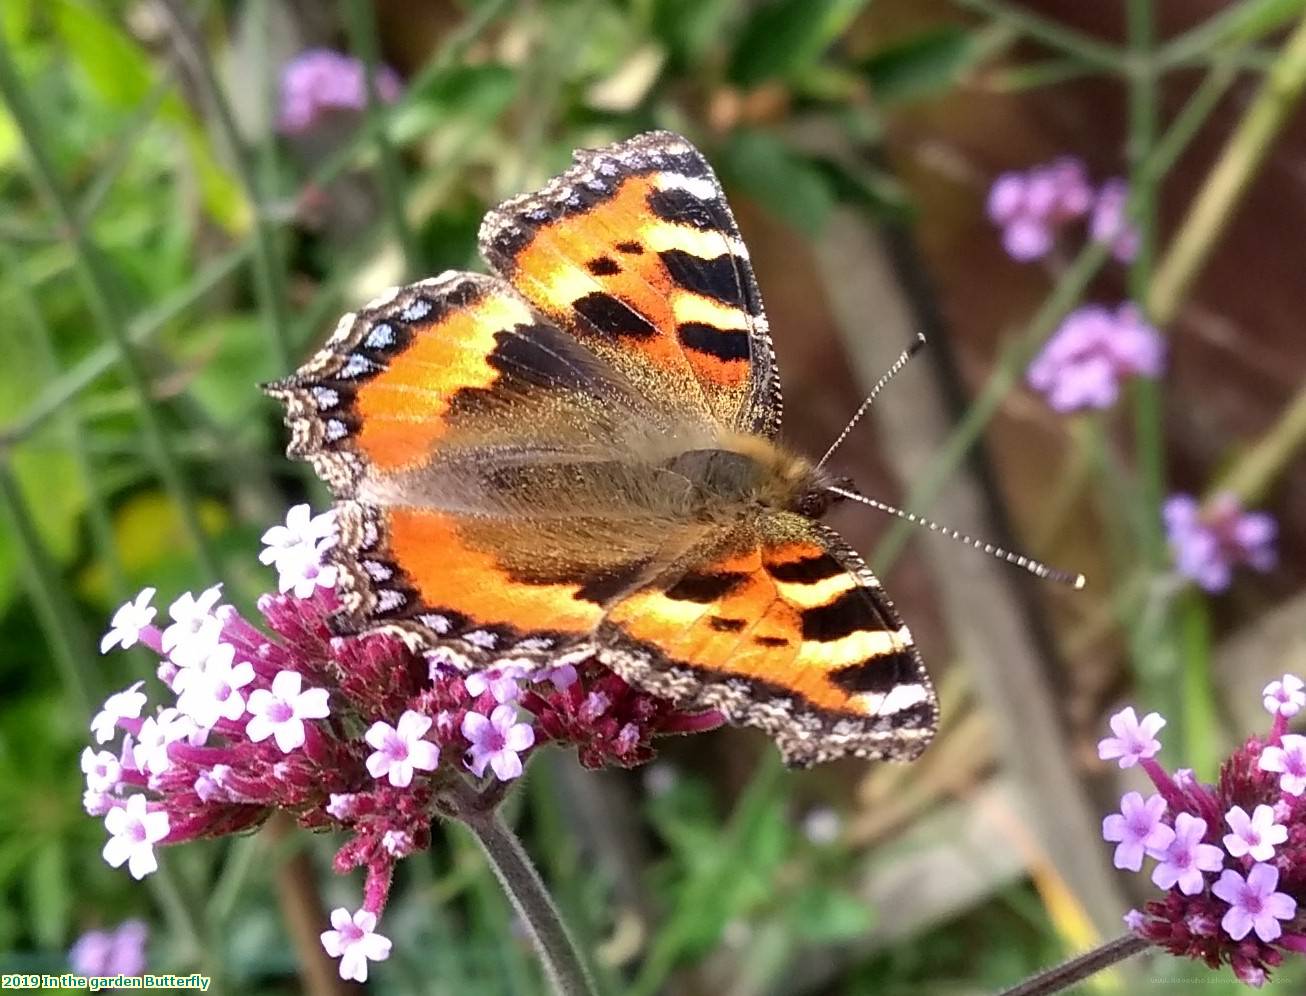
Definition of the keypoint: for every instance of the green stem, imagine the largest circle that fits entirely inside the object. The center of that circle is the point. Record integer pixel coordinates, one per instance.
(1050, 33)
(1075, 971)
(362, 34)
(1240, 24)
(140, 331)
(1252, 474)
(1222, 192)
(562, 962)
(64, 632)
(71, 435)
(97, 284)
(269, 281)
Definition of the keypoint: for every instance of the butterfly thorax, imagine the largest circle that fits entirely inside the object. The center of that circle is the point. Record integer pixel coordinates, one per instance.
(746, 470)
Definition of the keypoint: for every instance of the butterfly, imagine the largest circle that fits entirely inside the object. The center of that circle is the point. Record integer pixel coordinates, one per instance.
(577, 456)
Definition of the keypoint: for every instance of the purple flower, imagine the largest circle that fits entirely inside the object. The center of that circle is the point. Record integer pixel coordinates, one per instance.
(1285, 697)
(280, 713)
(1083, 363)
(502, 683)
(1031, 207)
(1289, 760)
(1133, 741)
(400, 749)
(1137, 828)
(319, 81)
(1109, 224)
(497, 741)
(129, 621)
(1253, 903)
(1183, 860)
(111, 952)
(355, 942)
(1208, 542)
(1254, 835)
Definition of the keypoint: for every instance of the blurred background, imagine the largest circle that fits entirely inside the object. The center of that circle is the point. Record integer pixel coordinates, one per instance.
(192, 192)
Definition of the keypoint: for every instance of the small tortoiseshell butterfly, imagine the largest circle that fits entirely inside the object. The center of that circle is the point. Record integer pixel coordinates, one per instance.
(578, 455)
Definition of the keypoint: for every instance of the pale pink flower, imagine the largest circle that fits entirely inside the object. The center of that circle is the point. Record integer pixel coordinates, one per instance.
(355, 942)
(134, 832)
(128, 621)
(280, 713)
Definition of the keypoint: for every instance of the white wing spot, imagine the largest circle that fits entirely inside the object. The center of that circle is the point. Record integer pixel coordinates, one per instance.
(416, 310)
(696, 186)
(326, 397)
(355, 365)
(382, 336)
(336, 430)
(481, 638)
(388, 599)
(435, 622)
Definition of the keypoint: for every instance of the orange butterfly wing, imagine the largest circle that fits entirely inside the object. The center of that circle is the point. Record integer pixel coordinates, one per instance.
(785, 629)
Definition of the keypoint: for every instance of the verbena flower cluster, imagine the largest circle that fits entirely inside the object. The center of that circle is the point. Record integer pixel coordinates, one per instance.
(120, 951)
(1210, 541)
(1033, 207)
(354, 734)
(320, 81)
(1096, 348)
(1230, 856)
(1093, 350)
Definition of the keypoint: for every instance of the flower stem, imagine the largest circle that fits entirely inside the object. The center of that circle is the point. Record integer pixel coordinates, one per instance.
(1238, 164)
(1070, 973)
(563, 965)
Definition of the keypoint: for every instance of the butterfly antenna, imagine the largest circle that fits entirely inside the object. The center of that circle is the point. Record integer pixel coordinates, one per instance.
(1035, 567)
(889, 374)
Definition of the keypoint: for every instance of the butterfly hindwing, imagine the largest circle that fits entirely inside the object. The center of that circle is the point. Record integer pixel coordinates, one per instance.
(634, 250)
(786, 629)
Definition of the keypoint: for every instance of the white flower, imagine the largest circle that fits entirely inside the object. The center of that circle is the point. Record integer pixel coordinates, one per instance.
(303, 573)
(212, 692)
(400, 749)
(1285, 697)
(355, 942)
(126, 704)
(128, 621)
(101, 769)
(156, 733)
(134, 832)
(297, 549)
(280, 713)
(302, 531)
(192, 622)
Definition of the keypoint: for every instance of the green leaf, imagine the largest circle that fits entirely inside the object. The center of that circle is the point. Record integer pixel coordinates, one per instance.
(689, 28)
(49, 898)
(784, 181)
(784, 37)
(122, 74)
(828, 916)
(466, 94)
(921, 66)
(117, 68)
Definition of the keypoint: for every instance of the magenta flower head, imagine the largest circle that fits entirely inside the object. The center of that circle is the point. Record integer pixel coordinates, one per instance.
(360, 734)
(1032, 206)
(111, 952)
(319, 82)
(1083, 363)
(1209, 541)
(1234, 866)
